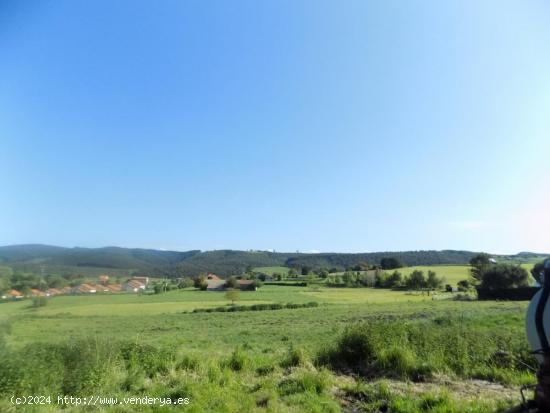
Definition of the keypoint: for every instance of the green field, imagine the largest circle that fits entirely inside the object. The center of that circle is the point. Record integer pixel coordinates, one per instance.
(265, 361)
(450, 273)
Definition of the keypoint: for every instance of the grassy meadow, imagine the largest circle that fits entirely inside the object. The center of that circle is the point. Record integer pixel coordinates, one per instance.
(359, 350)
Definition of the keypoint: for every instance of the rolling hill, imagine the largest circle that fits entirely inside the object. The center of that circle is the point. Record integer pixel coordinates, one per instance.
(36, 258)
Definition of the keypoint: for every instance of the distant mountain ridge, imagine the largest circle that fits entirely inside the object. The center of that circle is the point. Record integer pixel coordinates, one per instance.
(34, 257)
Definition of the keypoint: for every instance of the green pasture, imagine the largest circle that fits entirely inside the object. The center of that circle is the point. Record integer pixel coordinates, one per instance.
(264, 361)
(179, 301)
(451, 274)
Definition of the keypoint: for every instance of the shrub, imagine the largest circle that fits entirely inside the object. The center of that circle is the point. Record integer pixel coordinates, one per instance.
(188, 363)
(146, 357)
(310, 382)
(40, 301)
(355, 350)
(295, 357)
(398, 360)
(464, 285)
(238, 360)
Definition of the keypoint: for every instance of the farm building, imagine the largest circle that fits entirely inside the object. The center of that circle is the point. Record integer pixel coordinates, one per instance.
(216, 283)
(143, 280)
(133, 286)
(247, 285)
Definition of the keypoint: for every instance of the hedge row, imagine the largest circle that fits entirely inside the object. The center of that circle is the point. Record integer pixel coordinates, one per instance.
(255, 307)
(513, 294)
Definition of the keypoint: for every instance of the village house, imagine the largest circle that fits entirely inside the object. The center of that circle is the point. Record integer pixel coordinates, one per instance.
(143, 280)
(37, 293)
(133, 286)
(13, 294)
(247, 285)
(101, 288)
(115, 288)
(84, 289)
(66, 290)
(216, 283)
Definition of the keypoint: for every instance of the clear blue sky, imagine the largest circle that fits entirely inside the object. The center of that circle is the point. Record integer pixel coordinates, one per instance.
(287, 125)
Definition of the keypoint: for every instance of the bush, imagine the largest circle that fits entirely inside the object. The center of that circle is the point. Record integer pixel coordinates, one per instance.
(295, 357)
(398, 360)
(238, 360)
(146, 357)
(307, 382)
(504, 276)
(186, 283)
(464, 285)
(39, 301)
(355, 350)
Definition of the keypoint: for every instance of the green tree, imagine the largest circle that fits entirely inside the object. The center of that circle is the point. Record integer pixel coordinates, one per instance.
(390, 263)
(479, 264)
(232, 295)
(305, 270)
(504, 276)
(348, 278)
(232, 282)
(200, 281)
(393, 280)
(416, 280)
(55, 281)
(292, 273)
(433, 282)
(186, 283)
(5, 284)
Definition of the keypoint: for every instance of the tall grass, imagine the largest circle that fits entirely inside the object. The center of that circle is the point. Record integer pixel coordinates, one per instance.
(419, 349)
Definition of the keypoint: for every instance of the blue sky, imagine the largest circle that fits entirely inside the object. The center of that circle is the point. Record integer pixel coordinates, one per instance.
(286, 125)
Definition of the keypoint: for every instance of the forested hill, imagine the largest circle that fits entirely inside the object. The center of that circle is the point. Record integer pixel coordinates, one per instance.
(34, 258)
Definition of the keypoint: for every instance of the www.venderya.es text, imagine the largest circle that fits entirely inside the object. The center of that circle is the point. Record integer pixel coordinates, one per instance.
(99, 400)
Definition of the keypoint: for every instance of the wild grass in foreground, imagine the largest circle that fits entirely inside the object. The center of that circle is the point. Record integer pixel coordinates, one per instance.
(383, 364)
(418, 350)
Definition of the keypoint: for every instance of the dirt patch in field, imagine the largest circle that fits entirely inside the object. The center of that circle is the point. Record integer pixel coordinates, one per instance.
(466, 390)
